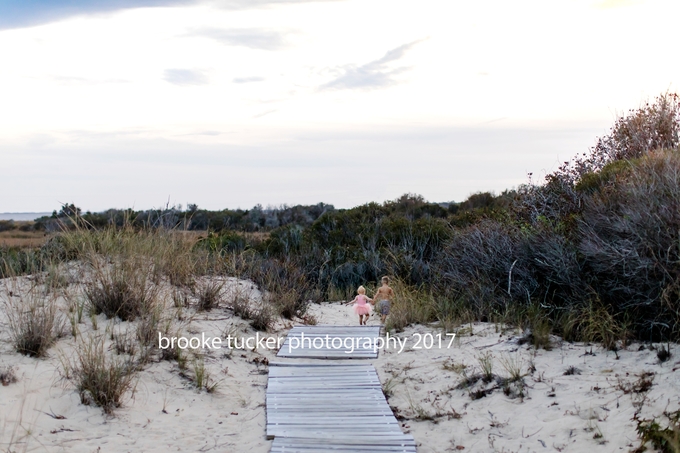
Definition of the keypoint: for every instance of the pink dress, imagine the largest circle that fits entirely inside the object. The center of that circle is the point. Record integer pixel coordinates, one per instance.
(361, 307)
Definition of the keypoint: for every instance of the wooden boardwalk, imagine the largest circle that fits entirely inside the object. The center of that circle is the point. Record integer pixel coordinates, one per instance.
(329, 406)
(331, 342)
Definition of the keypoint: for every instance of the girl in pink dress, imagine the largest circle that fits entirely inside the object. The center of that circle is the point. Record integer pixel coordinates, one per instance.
(361, 306)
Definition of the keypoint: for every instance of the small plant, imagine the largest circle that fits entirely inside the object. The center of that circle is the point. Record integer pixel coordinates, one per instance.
(179, 298)
(121, 288)
(124, 344)
(209, 295)
(667, 440)
(287, 303)
(76, 306)
(34, 321)
(202, 378)
(263, 317)
(100, 379)
(388, 387)
(450, 365)
(148, 327)
(572, 370)
(200, 374)
(541, 334)
(486, 366)
(513, 385)
(592, 427)
(538, 331)
(664, 353)
(309, 320)
(240, 305)
(642, 385)
(54, 278)
(182, 359)
(512, 366)
(7, 375)
(418, 411)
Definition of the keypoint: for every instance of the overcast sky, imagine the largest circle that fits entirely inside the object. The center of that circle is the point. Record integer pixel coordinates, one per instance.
(237, 102)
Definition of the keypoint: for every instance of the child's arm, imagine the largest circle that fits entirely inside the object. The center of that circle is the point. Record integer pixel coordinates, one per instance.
(351, 301)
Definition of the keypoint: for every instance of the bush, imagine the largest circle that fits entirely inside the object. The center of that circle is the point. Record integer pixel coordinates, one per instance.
(653, 126)
(630, 241)
(486, 265)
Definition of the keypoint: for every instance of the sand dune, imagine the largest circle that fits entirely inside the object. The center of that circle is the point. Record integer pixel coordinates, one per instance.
(434, 391)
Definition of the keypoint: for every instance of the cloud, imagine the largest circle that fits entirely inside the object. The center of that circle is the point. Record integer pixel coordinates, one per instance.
(248, 79)
(26, 13)
(185, 77)
(376, 74)
(253, 38)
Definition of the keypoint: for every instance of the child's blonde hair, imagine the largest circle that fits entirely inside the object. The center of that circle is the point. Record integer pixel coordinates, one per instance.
(361, 290)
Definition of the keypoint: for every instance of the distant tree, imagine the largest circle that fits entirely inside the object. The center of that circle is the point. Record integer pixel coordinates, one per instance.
(69, 210)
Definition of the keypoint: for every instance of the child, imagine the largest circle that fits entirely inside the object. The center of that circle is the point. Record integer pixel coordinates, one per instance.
(384, 295)
(361, 306)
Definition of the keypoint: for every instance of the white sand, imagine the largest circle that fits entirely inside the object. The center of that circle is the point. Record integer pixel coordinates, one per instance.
(557, 413)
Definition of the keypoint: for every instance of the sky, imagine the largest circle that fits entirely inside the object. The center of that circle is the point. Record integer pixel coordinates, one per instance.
(233, 103)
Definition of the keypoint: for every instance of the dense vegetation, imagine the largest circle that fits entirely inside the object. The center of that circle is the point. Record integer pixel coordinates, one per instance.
(593, 253)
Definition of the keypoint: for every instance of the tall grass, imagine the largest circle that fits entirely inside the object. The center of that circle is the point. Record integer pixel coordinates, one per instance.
(411, 305)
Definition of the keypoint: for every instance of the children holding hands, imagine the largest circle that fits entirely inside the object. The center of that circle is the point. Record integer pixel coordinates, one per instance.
(383, 295)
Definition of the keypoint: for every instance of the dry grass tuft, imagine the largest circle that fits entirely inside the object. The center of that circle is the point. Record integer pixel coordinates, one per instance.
(240, 304)
(121, 288)
(263, 317)
(101, 379)
(209, 294)
(34, 319)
